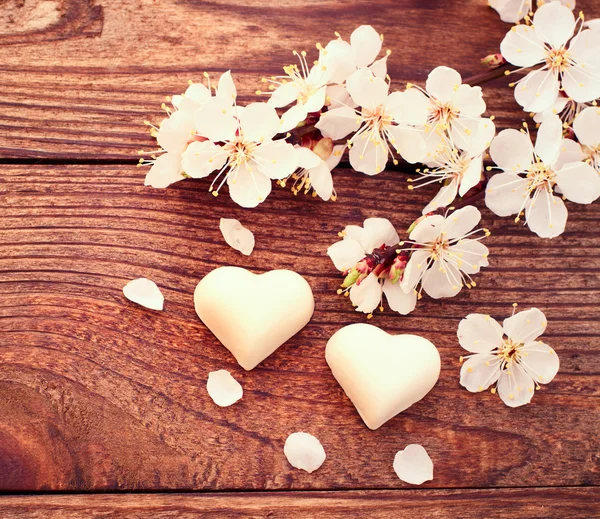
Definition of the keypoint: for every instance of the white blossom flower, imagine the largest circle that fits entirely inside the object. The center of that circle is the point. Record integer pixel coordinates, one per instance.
(240, 146)
(384, 119)
(315, 173)
(571, 63)
(343, 59)
(445, 252)
(351, 255)
(455, 111)
(587, 130)
(177, 131)
(530, 176)
(305, 86)
(508, 355)
(513, 11)
(459, 171)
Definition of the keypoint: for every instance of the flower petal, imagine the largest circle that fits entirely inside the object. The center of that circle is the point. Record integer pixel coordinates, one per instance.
(379, 67)
(546, 214)
(522, 47)
(377, 232)
(479, 333)
(345, 254)
(512, 150)
(248, 188)
(174, 132)
(417, 264)
(428, 229)
(525, 326)
(304, 451)
(579, 182)
(398, 300)
(165, 171)
(506, 194)
(367, 156)
(479, 372)
(582, 84)
(335, 157)
(291, 117)
(570, 151)
(413, 465)
(540, 361)
(587, 127)
(442, 83)
(515, 386)
(339, 57)
(461, 221)
(366, 45)
(259, 122)
(144, 292)
(549, 139)
(339, 122)
(307, 158)
(469, 100)
(537, 91)
(470, 255)
(223, 388)
(367, 90)
(337, 96)
(226, 87)
(366, 296)
(409, 143)
(554, 24)
(236, 235)
(275, 159)
(216, 120)
(315, 102)
(472, 175)
(511, 11)
(444, 197)
(200, 159)
(283, 95)
(442, 279)
(409, 107)
(585, 48)
(321, 180)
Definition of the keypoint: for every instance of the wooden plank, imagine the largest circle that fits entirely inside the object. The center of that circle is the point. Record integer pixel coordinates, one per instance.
(98, 393)
(534, 503)
(79, 79)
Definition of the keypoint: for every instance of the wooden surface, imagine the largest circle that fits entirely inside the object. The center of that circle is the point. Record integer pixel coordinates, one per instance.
(98, 394)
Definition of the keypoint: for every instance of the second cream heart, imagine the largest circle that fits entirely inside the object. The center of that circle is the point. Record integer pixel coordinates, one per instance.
(382, 374)
(253, 314)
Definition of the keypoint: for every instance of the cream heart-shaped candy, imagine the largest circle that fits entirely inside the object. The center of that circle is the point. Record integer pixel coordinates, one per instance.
(382, 374)
(253, 314)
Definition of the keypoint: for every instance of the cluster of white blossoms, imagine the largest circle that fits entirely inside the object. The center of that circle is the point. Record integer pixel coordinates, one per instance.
(439, 257)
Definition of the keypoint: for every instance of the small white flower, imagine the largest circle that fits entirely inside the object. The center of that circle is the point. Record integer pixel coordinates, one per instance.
(343, 59)
(455, 111)
(385, 121)
(177, 131)
(513, 11)
(237, 236)
(508, 356)
(531, 175)
(246, 156)
(315, 173)
(587, 130)
(351, 254)
(571, 63)
(445, 252)
(305, 86)
(459, 171)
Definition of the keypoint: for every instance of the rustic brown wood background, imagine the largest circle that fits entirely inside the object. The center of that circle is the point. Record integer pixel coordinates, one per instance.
(98, 394)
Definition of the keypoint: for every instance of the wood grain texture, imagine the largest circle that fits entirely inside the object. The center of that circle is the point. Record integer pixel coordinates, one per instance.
(79, 79)
(557, 503)
(98, 393)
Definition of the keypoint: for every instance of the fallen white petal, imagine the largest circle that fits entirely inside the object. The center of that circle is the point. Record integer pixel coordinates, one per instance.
(144, 292)
(304, 451)
(237, 236)
(223, 388)
(413, 465)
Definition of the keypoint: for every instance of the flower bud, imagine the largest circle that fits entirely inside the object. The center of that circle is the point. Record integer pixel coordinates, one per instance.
(493, 61)
(323, 148)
